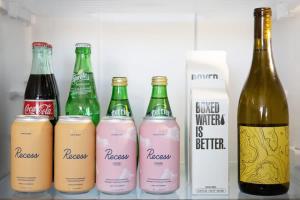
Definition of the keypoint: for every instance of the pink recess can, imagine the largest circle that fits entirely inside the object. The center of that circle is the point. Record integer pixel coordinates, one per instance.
(116, 155)
(159, 145)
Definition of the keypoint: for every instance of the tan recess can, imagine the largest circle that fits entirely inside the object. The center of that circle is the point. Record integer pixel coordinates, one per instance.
(74, 154)
(31, 153)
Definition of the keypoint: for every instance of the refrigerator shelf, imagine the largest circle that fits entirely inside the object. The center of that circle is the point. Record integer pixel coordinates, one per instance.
(234, 193)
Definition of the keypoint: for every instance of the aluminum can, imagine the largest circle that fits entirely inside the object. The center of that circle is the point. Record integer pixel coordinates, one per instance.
(116, 155)
(31, 153)
(159, 145)
(74, 154)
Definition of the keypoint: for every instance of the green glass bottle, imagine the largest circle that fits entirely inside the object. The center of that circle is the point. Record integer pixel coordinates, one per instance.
(119, 105)
(82, 98)
(159, 104)
(263, 119)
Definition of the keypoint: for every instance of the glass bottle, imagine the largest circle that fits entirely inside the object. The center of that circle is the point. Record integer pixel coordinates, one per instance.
(263, 119)
(82, 98)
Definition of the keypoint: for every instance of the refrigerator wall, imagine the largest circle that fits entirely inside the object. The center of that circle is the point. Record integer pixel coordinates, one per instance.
(140, 44)
(15, 38)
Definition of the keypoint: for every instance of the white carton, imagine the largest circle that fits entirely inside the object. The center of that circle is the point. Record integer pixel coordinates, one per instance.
(207, 123)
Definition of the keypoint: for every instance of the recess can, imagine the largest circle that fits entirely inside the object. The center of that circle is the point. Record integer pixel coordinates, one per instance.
(31, 153)
(159, 145)
(116, 155)
(74, 154)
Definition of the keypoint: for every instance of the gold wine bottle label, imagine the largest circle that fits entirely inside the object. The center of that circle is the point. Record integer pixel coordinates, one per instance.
(264, 154)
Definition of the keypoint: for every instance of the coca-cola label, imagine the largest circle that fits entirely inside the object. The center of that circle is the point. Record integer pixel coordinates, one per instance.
(39, 107)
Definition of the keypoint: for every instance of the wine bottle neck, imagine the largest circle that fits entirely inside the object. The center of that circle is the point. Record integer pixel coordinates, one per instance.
(262, 33)
(262, 54)
(40, 61)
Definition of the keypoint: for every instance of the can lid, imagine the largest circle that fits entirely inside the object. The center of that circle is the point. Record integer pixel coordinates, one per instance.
(32, 117)
(74, 118)
(159, 118)
(40, 44)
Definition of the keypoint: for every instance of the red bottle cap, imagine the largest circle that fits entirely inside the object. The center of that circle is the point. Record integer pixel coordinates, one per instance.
(49, 46)
(39, 44)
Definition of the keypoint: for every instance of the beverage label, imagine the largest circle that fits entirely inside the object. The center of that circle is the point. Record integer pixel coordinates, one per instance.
(120, 110)
(82, 84)
(39, 107)
(159, 156)
(264, 154)
(116, 156)
(208, 143)
(160, 110)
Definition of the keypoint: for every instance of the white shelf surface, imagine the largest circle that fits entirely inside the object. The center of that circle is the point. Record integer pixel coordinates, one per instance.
(181, 193)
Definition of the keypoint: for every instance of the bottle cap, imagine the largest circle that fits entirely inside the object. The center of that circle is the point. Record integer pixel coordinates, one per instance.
(49, 46)
(263, 12)
(159, 80)
(119, 81)
(39, 44)
(83, 45)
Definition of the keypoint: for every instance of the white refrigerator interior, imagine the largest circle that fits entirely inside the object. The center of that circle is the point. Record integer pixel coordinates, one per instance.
(140, 39)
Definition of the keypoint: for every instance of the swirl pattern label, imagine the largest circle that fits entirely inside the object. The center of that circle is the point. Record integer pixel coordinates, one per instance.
(264, 154)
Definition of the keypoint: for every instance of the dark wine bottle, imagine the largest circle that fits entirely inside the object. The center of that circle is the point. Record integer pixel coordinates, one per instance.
(263, 119)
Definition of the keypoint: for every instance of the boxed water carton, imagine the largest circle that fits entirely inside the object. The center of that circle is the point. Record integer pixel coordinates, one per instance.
(207, 123)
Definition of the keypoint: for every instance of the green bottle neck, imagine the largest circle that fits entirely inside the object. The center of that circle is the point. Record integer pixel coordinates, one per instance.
(119, 105)
(119, 93)
(159, 103)
(262, 63)
(41, 63)
(83, 62)
(159, 91)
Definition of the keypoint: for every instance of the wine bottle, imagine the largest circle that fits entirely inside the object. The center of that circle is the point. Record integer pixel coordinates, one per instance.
(263, 132)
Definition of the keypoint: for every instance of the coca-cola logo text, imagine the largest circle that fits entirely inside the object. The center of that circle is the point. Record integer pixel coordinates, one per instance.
(39, 108)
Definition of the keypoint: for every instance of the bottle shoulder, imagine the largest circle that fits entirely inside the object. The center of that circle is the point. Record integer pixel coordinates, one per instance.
(159, 107)
(119, 108)
(40, 86)
(263, 101)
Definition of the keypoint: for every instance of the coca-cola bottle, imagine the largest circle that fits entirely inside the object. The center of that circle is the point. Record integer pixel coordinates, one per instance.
(56, 91)
(41, 95)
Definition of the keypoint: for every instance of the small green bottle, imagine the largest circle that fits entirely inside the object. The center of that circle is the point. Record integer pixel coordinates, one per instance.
(119, 105)
(159, 104)
(82, 98)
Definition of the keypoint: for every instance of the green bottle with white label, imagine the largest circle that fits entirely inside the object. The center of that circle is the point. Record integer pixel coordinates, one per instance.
(119, 105)
(159, 104)
(82, 98)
